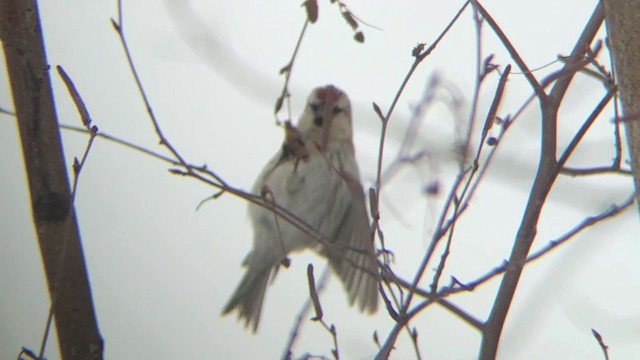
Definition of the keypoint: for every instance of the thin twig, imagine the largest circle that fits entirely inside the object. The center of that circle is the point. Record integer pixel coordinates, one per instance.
(465, 197)
(302, 315)
(6, 112)
(286, 70)
(120, 141)
(315, 300)
(597, 170)
(587, 222)
(437, 298)
(118, 26)
(617, 160)
(603, 346)
(385, 351)
(479, 77)
(419, 55)
(461, 201)
(585, 127)
(511, 49)
(447, 248)
(413, 334)
(435, 239)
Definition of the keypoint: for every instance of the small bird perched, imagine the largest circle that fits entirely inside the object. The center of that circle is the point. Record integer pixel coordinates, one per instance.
(314, 176)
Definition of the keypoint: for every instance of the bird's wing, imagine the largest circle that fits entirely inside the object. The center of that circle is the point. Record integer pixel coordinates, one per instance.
(353, 256)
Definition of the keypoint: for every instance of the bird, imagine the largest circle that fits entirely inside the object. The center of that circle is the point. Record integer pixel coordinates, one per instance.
(314, 176)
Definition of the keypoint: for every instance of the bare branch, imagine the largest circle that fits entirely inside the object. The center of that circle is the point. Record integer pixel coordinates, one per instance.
(547, 173)
(612, 211)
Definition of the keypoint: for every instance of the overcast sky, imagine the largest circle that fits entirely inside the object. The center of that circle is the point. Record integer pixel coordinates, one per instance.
(161, 271)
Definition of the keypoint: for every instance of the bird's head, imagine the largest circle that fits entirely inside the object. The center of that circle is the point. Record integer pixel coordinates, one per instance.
(327, 116)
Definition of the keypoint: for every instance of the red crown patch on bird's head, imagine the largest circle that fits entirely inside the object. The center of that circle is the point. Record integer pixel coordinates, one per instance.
(328, 92)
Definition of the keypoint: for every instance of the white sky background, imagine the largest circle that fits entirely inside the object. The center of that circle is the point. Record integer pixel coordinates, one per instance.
(161, 271)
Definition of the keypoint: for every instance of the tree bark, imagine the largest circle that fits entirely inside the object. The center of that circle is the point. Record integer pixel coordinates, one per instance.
(51, 206)
(623, 27)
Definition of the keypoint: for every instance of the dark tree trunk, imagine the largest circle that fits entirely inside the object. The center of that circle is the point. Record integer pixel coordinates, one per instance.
(623, 25)
(52, 211)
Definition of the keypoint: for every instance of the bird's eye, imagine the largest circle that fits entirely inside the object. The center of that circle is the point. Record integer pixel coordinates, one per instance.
(337, 110)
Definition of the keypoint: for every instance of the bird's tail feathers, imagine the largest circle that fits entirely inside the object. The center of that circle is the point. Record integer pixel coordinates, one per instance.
(249, 295)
